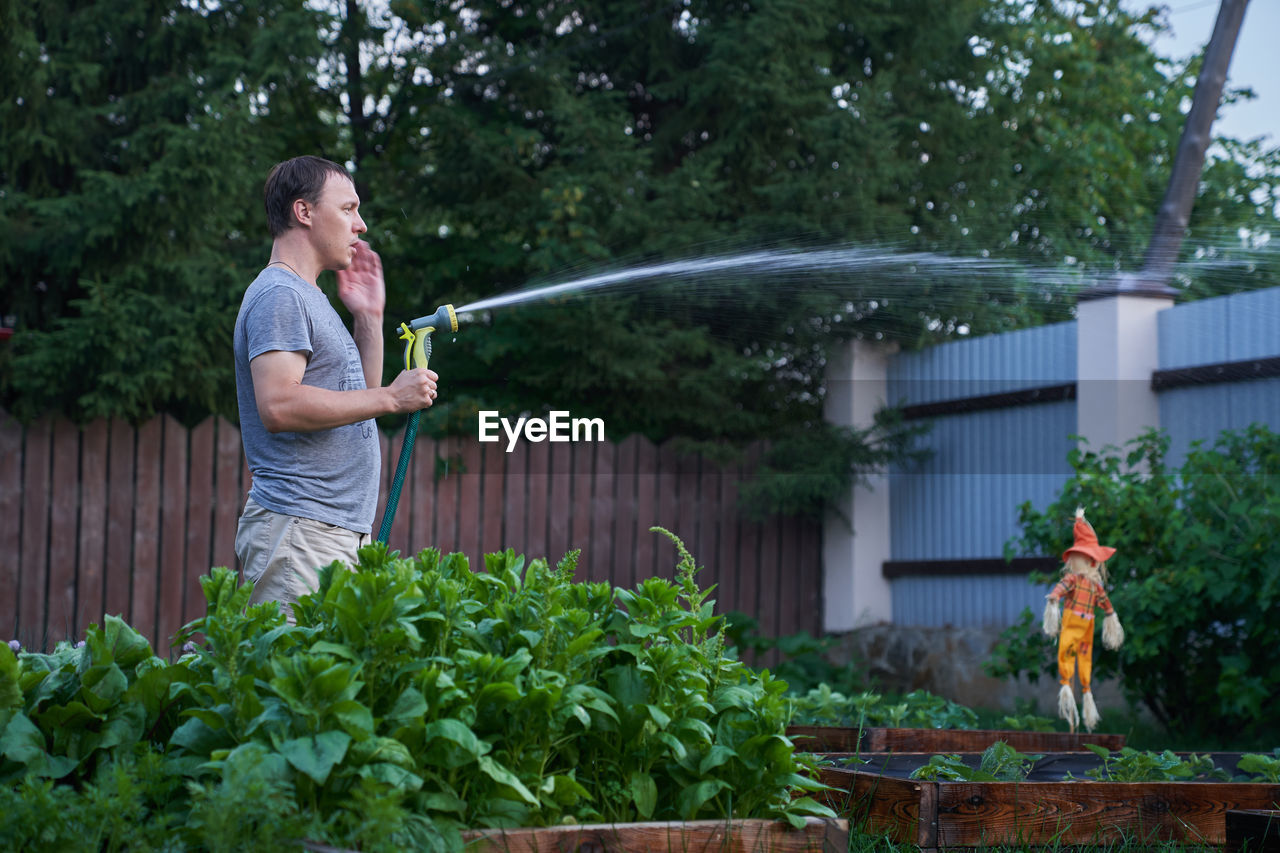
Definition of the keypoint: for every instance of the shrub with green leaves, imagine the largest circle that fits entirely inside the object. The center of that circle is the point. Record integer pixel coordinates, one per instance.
(919, 709)
(1194, 579)
(414, 699)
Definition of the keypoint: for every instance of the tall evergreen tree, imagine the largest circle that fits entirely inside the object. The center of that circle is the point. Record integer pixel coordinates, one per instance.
(137, 134)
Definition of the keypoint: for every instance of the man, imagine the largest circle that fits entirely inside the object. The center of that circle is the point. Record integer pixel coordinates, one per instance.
(308, 390)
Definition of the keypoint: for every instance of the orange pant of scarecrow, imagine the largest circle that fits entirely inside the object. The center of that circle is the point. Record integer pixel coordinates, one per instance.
(1075, 643)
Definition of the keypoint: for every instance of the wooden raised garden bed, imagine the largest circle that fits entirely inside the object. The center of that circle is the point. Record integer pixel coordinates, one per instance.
(834, 739)
(1253, 831)
(819, 835)
(944, 814)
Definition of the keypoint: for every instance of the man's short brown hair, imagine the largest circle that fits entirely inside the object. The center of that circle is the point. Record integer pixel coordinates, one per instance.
(299, 178)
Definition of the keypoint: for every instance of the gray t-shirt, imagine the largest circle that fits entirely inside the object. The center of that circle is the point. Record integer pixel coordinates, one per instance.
(331, 475)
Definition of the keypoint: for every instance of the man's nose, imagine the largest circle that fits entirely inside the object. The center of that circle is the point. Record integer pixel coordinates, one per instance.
(359, 226)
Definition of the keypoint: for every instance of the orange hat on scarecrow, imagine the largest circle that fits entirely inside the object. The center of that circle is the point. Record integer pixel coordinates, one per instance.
(1087, 542)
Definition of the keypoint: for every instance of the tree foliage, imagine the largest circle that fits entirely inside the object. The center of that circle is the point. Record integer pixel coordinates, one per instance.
(504, 144)
(133, 146)
(1193, 580)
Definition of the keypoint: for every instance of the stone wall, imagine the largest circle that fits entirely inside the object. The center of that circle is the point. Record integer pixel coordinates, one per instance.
(948, 662)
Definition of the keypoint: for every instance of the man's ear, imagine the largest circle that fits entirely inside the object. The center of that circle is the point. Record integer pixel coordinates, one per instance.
(301, 212)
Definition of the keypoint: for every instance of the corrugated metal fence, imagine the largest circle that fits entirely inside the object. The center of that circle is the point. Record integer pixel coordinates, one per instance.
(112, 518)
(1003, 410)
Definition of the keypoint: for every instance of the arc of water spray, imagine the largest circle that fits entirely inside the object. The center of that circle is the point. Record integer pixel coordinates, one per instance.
(752, 263)
(776, 262)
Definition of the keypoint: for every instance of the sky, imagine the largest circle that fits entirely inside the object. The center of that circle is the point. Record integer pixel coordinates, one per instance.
(1255, 63)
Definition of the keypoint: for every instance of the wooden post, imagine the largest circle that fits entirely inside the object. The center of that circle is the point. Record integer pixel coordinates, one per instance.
(1188, 163)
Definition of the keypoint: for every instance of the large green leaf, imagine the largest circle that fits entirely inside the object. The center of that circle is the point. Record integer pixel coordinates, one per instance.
(504, 776)
(316, 756)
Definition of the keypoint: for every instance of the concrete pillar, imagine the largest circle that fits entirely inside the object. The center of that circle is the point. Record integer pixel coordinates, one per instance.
(854, 590)
(1117, 350)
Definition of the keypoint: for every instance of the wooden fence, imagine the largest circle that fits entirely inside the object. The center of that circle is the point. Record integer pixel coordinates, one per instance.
(113, 518)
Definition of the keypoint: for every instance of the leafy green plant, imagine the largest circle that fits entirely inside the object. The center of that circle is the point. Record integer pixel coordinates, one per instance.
(806, 661)
(1194, 568)
(1261, 767)
(64, 713)
(1028, 723)
(999, 763)
(823, 706)
(1132, 765)
(412, 700)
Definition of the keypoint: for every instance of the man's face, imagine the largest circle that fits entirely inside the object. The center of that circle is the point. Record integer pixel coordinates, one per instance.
(336, 224)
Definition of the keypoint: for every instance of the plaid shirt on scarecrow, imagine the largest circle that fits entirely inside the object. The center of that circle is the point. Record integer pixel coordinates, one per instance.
(1080, 595)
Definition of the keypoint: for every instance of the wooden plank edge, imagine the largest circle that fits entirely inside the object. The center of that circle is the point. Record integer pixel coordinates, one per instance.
(875, 739)
(819, 835)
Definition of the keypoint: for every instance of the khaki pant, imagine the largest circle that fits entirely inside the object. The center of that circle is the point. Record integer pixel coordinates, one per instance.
(282, 554)
(1075, 644)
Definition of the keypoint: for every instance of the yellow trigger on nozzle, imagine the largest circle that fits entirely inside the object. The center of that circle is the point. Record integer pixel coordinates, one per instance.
(417, 348)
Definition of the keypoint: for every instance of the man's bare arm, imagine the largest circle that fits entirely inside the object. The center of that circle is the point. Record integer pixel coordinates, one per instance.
(286, 405)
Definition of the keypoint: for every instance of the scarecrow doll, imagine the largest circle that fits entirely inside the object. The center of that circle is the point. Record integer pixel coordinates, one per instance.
(1081, 590)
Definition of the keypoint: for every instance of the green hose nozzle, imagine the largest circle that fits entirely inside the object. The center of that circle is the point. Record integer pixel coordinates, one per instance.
(417, 351)
(443, 318)
(417, 335)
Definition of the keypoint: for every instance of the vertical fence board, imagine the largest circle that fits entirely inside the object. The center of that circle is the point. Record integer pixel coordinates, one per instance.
(688, 515)
(559, 466)
(730, 533)
(582, 463)
(93, 525)
(667, 513)
(385, 462)
(647, 477)
(63, 510)
(200, 509)
(492, 487)
(446, 515)
(538, 488)
(120, 509)
(624, 514)
(604, 515)
(813, 559)
(767, 603)
(35, 534)
(10, 523)
(229, 496)
(469, 502)
(747, 599)
(790, 576)
(146, 531)
(708, 544)
(173, 533)
(516, 504)
(420, 492)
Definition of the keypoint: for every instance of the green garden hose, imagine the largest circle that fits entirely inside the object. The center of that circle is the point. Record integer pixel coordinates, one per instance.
(417, 352)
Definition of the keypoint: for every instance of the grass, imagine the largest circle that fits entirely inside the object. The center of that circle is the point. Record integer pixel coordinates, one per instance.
(865, 842)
